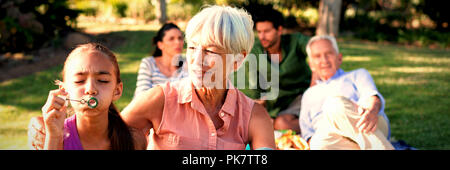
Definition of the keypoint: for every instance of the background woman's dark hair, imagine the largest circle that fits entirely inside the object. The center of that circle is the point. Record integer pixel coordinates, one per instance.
(118, 132)
(159, 36)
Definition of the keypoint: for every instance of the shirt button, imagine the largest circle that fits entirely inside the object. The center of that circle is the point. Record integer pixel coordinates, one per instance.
(222, 114)
(213, 134)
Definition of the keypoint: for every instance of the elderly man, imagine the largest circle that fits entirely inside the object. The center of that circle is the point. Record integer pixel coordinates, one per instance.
(344, 110)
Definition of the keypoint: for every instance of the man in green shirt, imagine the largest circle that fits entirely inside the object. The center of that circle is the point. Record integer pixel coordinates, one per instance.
(286, 58)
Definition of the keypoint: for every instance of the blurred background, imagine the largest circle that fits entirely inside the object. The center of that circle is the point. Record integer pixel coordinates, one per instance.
(27, 25)
(403, 43)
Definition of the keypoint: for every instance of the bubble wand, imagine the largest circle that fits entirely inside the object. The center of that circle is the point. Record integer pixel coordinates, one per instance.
(91, 102)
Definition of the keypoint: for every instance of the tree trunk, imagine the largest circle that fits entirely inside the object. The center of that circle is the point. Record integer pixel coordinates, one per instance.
(160, 9)
(329, 15)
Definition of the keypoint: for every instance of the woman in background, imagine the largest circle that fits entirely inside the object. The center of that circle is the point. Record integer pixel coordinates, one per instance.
(166, 63)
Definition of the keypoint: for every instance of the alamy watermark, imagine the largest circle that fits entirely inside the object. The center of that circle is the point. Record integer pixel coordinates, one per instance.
(256, 71)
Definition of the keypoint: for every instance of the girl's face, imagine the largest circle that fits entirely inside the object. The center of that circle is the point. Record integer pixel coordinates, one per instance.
(172, 42)
(91, 74)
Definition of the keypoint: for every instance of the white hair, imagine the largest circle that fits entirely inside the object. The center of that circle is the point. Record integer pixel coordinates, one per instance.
(226, 27)
(331, 39)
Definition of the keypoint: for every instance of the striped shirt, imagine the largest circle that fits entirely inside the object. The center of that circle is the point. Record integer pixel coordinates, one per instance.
(149, 74)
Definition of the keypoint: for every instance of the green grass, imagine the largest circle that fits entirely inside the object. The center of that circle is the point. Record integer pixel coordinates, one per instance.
(414, 82)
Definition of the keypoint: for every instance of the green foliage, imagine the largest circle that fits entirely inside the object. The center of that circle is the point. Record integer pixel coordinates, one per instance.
(27, 25)
(421, 22)
(437, 11)
(139, 9)
(185, 9)
(87, 7)
(120, 8)
(424, 37)
(417, 22)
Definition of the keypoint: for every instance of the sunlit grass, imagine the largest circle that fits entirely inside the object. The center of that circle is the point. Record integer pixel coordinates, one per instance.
(357, 58)
(424, 60)
(419, 69)
(90, 26)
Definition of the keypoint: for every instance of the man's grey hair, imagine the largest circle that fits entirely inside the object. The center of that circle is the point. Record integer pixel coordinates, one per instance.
(331, 39)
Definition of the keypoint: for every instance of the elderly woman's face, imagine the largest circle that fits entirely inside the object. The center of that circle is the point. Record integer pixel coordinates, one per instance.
(208, 65)
(324, 60)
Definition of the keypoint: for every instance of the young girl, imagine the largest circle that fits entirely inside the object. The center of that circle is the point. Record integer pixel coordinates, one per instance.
(91, 82)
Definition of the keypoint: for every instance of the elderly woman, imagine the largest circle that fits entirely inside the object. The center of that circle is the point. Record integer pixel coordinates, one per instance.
(205, 111)
(196, 113)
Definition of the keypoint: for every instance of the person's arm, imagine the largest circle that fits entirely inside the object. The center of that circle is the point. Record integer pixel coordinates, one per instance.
(261, 132)
(366, 87)
(371, 102)
(145, 109)
(261, 101)
(305, 120)
(36, 133)
(139, 138)
(144, 78)
(369, 112)
(302, 41)
(53, 142)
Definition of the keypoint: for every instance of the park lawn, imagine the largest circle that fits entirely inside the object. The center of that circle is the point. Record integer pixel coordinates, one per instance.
(413, 81)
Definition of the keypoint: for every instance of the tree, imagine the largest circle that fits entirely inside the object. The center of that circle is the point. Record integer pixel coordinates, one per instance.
(161, 12)
(329, 15)
(28, 25)
(438, 12)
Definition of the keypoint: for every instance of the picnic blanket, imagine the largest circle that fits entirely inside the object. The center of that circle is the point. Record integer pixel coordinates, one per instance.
(402, 145)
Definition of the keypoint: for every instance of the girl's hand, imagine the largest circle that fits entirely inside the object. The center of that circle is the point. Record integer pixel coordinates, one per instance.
(54, 113)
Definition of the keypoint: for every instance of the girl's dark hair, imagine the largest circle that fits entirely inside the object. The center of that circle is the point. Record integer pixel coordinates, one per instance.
(159, 36)
(118, 132)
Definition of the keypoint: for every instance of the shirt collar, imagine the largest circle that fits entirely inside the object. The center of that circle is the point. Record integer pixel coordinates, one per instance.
(186, 92)
(231, 100)
(336, 75)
